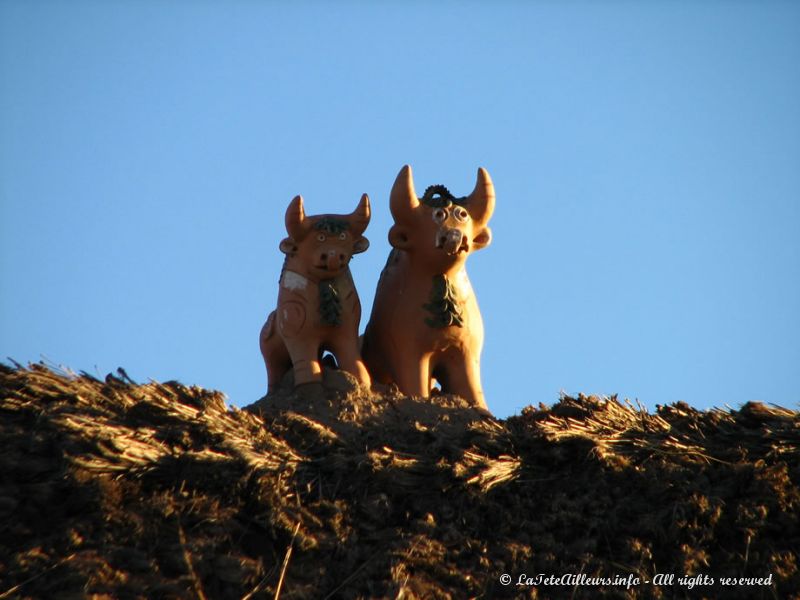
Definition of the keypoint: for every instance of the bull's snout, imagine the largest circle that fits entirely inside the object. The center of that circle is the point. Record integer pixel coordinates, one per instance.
(334, 260)
(452, 241)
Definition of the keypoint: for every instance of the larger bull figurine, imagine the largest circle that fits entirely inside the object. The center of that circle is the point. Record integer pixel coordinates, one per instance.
(318, 307)
(425, 323)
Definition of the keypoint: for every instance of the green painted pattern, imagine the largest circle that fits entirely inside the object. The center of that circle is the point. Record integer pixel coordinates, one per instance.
(330, 306)
(443, 305)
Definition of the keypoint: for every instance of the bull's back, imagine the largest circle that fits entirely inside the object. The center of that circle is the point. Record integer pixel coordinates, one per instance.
(267, 334)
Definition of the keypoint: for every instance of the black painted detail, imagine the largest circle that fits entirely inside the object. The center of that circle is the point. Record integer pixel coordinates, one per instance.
(332, 225)
(438, 196)
(443, 305)
(330, 306)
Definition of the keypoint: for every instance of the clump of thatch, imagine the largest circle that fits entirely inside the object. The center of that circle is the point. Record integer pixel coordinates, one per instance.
(120, 490)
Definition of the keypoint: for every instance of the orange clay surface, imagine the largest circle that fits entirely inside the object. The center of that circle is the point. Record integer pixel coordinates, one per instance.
(318, 307)
(425, 323)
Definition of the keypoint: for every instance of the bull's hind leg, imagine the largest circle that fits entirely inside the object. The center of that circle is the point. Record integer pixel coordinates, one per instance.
(374, 361)
(276, 356)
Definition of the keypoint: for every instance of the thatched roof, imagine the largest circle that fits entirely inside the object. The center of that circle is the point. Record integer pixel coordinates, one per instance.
(119, 490)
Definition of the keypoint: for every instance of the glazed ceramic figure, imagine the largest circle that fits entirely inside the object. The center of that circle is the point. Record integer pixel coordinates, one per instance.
(318, 307)
(425, 321)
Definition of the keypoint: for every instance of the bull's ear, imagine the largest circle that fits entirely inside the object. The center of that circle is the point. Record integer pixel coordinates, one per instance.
(360, 245)
(287, 246)
(482, 239)
(398, 238)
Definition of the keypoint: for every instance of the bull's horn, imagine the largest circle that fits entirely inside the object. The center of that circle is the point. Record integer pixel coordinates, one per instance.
(360, 216)
(403, 198)
(480, 202)
(296, 224)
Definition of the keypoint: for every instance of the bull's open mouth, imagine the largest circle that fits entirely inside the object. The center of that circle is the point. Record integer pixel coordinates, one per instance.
(450, 247)
(327, 269)
(452, 241)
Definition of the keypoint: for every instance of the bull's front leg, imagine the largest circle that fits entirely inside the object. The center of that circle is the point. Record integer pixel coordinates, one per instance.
(412, 373)
(305, 361)
(301, 339)
(349, 359)
(463, 375)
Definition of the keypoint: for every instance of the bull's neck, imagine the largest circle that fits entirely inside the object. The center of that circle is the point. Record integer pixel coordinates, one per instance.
(297, 267)
(427, 277)
(426, 268)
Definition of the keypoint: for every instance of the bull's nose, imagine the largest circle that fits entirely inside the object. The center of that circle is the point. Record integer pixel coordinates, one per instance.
(442, 237)
(449, 240)
(335, 261)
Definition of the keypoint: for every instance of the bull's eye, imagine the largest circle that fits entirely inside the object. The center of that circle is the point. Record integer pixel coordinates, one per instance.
(439, 215)
(461, 214)
(343, 236)
(320, 237)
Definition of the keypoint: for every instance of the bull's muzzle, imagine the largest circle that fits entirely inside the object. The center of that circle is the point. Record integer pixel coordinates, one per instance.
(333, 260)
(452, 241)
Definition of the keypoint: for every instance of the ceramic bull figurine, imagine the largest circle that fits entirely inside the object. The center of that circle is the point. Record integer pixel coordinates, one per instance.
(318, 307)
(425, 323)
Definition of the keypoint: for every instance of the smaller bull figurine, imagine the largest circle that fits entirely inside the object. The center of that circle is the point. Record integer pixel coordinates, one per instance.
(318, 307)
(425, 323)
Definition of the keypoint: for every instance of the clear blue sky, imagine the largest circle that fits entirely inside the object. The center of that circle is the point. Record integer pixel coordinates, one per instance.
(646, 158)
